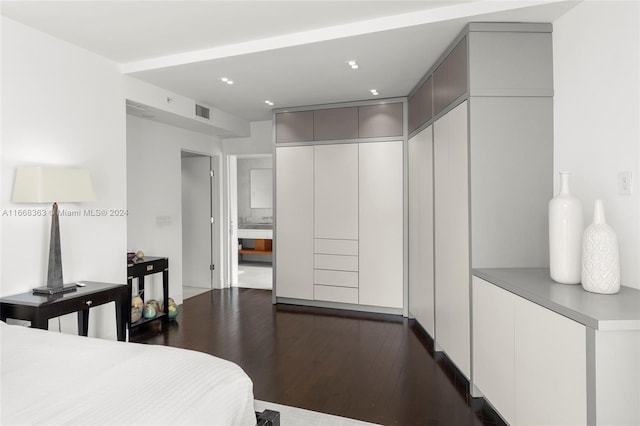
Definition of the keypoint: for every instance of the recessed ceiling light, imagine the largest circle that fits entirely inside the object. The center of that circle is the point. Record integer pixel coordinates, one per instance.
(352, 63)
(226, 80)
(374, 92)
(268, 102)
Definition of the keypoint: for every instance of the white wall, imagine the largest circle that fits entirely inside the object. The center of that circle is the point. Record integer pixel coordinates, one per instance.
(154, 191)
(260, 141)
(62, 105)
(597, 90)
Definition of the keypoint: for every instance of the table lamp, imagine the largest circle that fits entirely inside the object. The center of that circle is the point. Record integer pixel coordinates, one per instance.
(53, 185)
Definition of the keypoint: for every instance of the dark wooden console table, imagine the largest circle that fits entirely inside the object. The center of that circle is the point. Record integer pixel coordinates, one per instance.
(141, 268)
(39, 308)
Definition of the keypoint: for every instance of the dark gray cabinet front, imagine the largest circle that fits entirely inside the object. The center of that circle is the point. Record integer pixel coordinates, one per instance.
(457, 71)
(421, 105)
(335, 123)
(294, 126)
(379, 121)
(450, 78)
(341, 123)
(440, 98)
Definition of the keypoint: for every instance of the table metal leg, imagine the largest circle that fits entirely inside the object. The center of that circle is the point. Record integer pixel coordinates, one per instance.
(165, 293)
(83, 322)
(121, 315)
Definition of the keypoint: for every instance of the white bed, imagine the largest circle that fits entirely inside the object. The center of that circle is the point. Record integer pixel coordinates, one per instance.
(54, 378)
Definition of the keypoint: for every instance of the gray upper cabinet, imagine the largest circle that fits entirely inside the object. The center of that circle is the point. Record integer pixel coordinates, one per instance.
(421, 104)
(457, 71)
(440, 88)
(335, 123)
(450, 78)
(294, 126)
(489, 59)
(377, 121)
(514, 63)
(341, 123)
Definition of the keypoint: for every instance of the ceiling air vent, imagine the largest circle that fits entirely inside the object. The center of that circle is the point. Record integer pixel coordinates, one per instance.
(202, 111)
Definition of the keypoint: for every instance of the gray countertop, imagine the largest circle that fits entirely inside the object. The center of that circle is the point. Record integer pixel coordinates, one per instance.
(619, 311)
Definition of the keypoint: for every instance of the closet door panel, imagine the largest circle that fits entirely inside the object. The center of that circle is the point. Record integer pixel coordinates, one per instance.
(294, 222)
(381, 224)
(421, 290)
(336, 191)
(452, 271)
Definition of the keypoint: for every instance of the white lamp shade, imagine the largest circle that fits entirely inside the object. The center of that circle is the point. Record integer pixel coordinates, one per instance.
(52, 184)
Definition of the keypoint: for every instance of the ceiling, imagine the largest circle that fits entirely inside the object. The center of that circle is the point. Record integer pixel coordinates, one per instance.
(292, 53)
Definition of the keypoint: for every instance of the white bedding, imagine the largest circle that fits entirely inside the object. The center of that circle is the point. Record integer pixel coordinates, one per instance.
(54, 378)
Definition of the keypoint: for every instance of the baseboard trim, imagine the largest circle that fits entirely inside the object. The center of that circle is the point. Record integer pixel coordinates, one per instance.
(336, 305)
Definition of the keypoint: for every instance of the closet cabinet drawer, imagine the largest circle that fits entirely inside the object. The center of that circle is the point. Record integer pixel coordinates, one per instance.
(340, 247)
(336, 263)
(335, 278)
(335, 294)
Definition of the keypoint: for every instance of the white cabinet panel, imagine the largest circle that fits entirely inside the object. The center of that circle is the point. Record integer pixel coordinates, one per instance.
(336, 191)
(294, 222)
(336, 278)
(550, 367)
(381, 224)
(529, 362)
(452, 270)
(336, 294)
(344, 247)
(617, 377)
(421, 291)
(336, 263)
(493, 346)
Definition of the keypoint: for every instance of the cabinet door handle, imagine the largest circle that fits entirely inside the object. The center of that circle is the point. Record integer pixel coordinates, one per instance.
(88, 303)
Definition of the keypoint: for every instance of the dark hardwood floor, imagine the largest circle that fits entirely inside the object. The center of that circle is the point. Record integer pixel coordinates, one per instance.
(372, 367)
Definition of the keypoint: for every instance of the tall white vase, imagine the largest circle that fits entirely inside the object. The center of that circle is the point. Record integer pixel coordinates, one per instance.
(565, 235)
(600, 255)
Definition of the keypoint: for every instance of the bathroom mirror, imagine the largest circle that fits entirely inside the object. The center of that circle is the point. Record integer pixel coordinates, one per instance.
(261, 189)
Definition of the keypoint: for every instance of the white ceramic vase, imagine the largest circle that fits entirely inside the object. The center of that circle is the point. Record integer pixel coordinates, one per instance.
(565, 235)
(600, 255)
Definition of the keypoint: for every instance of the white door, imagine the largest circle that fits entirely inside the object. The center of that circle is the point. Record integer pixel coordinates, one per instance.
(421, 291)
(380, 221)
(197, 229)
(336, 191)
(452, 270)
(294, 222)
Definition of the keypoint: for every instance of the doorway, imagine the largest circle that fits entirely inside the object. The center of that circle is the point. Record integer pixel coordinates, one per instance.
(198, 249)
(251, 220)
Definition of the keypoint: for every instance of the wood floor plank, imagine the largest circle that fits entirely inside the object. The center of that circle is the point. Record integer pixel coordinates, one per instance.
(372, 367)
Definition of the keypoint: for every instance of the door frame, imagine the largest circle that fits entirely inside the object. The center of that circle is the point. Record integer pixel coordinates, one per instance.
(216, 214)
(232, 211)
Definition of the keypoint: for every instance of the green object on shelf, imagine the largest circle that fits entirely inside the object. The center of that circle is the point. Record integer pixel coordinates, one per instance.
(149, 311)
(173, 311)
